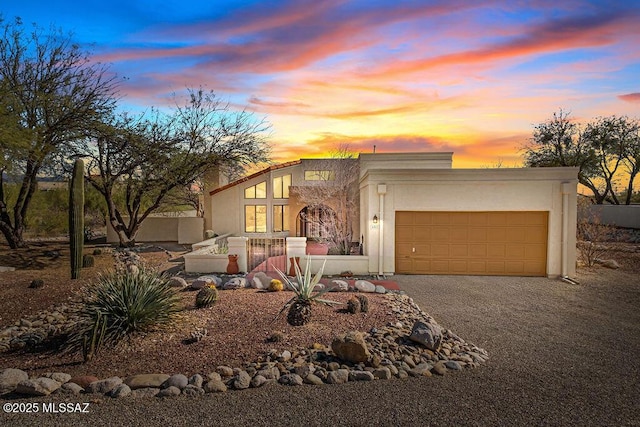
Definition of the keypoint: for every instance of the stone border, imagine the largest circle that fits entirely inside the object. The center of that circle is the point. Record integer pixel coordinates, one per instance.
(392, 353)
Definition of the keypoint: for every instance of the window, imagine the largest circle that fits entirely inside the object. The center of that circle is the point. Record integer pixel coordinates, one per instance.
(281, 187)
(319, 175)
(255, 218)
(280, 218)
(258, 191)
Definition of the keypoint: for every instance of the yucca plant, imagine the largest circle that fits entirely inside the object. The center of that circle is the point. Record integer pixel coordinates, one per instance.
(300, 305)
(119, 305)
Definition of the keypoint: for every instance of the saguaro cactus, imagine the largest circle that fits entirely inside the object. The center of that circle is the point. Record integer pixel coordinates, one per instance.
(76, 218)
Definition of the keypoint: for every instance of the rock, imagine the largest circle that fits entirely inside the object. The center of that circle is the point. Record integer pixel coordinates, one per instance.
(2, 268)
(351, 347)
(9, 379)
(203, 281)
(382, 373)
(241, 381)
(224, 371)
(608, 263)
(439, 368)
(361, 376)
(290, 379)
(103, 386)
(453, 365)
(196, 380)
(313, 379)
(235, 283)
(191, 390)
(304, 370)
(60, 377)
(339, 286)
(177, 282)
(421, 370)
(37, 387)
(146, 380)
(271, 373)
(285, 356)
(178, 380)
(402, 374)
(215, 387)
(142, 393)
(381, 289)
(71, 388)
(260, 280)
(214, 376)
(365, 286)
(257, 381)
(168, 392)
(318, 287)
(121, 390)
(83, 380)
(340, 376)
(427, 334)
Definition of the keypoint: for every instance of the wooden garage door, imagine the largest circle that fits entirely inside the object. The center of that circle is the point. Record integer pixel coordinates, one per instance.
(475, 243)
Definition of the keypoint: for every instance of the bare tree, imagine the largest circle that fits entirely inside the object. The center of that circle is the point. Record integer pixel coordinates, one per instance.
(135, 163)
(50, 94)
(333, 195)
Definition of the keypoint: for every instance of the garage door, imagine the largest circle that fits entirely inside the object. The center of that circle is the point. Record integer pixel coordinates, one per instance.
(475, 243)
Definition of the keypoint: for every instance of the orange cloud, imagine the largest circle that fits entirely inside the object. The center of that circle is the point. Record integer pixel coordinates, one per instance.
(630, 97)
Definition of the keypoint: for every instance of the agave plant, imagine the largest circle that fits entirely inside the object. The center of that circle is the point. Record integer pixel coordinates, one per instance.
(300, 304)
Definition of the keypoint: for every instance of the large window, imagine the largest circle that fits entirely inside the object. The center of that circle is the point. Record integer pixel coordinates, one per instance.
(281, 187)
(280, 218)
(255, 218)
(258, 191)
(319, 175)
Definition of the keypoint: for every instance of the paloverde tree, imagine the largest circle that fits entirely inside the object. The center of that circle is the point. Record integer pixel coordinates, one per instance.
(50, 94)
(136, 162)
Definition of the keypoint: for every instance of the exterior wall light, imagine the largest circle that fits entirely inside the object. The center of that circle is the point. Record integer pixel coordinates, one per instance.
(375, 219)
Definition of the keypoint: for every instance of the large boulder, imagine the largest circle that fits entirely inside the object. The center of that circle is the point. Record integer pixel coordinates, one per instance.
(351, 347)
(9, 379)
(365, 286)
(428, 335)
(145, 380)
(37, 387)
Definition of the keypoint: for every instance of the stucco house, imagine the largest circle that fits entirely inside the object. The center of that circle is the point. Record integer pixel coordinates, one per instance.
(418, 215)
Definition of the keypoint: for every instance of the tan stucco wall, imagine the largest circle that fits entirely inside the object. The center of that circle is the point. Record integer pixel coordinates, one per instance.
(184, 230)
(468, 190)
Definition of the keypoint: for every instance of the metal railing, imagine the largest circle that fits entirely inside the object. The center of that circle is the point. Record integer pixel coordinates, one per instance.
(265, 253)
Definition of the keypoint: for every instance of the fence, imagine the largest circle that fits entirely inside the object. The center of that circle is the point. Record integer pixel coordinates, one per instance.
(263, 254)
(625, 216)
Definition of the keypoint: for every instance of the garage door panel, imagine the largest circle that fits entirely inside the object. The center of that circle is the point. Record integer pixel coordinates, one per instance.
(485, 243)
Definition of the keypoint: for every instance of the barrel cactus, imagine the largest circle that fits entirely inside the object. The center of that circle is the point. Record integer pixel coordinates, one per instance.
(87, 261)
(206, 296)
(364, 303)
(275, 285)
(353, 305)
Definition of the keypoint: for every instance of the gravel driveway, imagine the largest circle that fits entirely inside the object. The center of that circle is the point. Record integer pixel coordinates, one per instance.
(561, 354)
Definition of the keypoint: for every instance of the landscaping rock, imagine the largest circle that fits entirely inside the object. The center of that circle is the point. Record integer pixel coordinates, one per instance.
(351, 347)
(191, 390)
(290, 379)
(258, 381)
(203, 281)
(178, 380)
(224, 371)
(340, 376)
(9, 379)
(142, 393)
(168, 392)
(382, 373)
(37, 387)
(178, 282)
(235, 283)
(439, 368)
(453, 365)
(313, 379)
(83, 380)
(260, 280)
(196, 380)
(241, 381)
(608, 263)
(381, 289)
(60, 377)
(215, 386)
(146, 380)
(120, 391)
(339, 286)
(427, 334)
(365, 286)
(103, 386)
(361, 376)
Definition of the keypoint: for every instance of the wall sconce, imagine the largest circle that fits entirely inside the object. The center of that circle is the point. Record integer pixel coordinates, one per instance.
(375, 219)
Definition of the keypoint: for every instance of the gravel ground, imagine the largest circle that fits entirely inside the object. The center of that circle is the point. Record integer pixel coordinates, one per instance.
(561, 354)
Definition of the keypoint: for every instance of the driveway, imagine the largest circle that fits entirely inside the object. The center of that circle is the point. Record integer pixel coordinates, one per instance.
(561, 354)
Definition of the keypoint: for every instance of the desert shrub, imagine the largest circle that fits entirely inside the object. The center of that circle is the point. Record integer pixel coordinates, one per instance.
(121, 304)
(592, 235)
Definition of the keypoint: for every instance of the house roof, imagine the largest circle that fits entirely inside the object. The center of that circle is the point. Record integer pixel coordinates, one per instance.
(254, 175)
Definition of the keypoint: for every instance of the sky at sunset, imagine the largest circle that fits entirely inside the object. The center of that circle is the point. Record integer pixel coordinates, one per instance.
(471, 77)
